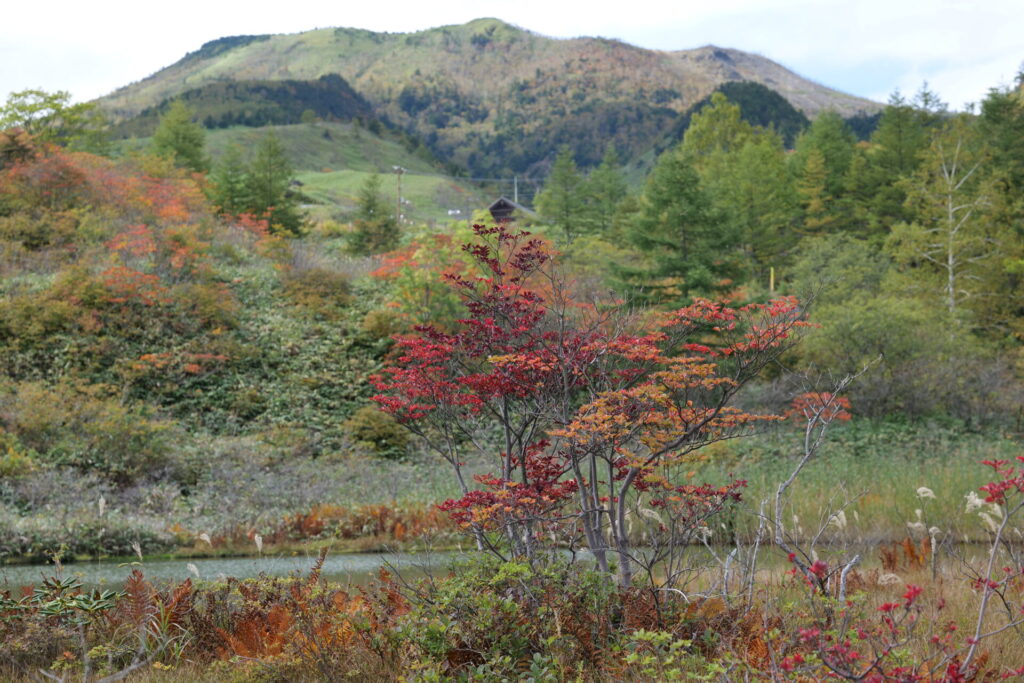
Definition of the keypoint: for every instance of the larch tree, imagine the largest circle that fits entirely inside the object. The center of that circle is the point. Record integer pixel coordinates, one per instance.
(953, 234)
(716, 129)
(812, 187)
(602, 191)
(834, 140)
(753, 194)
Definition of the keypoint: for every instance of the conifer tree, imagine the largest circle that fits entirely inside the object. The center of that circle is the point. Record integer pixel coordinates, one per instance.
(229, 189)
(374, 229)
(834, 140)
(814, 196)
(602, 191)
(268, 184)
(688, 249)
(561, 200)
(178, 138)
(754, 196)
(716, 129)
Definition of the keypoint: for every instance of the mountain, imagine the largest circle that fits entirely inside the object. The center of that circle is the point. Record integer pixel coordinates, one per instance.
(489, 96)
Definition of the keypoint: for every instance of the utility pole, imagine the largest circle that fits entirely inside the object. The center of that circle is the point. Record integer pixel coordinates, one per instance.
(515, 189)
(398, 201)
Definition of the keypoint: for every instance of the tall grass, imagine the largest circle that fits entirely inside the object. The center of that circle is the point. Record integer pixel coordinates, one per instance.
(875, 472)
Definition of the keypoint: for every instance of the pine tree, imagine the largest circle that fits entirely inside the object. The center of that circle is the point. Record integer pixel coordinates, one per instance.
(375, 229)
(268, 183)
(561, 200)
(178, 138)
(602, 192)
(229, 188)
(689, 251)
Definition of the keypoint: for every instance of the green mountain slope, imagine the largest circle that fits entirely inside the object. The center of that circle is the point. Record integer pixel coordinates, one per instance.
(259, 103)
(759, 106)
(490, 96)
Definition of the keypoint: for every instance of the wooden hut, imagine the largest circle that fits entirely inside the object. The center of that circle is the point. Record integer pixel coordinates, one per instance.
(504, 209)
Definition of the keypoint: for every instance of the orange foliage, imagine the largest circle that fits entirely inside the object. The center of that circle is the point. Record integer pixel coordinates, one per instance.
(821, 405)
(137, 241)
(127, 285)
(188, 363)
(60, 179)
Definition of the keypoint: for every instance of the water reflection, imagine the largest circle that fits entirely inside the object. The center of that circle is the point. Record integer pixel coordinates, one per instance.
(343, 568)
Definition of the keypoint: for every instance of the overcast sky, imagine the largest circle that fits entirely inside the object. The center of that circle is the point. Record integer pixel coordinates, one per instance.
(864, 47)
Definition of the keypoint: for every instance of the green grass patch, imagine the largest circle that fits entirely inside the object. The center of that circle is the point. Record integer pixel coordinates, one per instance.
(425, 197)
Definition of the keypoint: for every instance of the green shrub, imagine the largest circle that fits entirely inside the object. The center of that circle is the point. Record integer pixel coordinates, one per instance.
(39, 231)
(922, 362)
(496, 619)
(37, 538)
(381, 324)
(15, 459)
(378, 431)
(83, 427)
(319, 291)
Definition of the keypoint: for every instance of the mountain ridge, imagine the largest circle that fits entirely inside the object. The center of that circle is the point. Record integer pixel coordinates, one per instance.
(491, 96)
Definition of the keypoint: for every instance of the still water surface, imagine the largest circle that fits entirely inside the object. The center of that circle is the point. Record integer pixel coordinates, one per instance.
(356, 568)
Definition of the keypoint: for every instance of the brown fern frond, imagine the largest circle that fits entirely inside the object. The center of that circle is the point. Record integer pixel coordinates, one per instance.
(139, 604)
(890, 559)
(179, 602)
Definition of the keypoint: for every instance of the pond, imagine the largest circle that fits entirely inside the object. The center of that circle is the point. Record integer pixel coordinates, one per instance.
(348, 568)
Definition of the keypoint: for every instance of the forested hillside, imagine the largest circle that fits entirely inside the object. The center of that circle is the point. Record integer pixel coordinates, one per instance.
(486, 96)
(908, 245)
(260, 103)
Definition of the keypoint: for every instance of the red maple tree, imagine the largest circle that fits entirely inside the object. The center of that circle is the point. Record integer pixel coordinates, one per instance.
(593, 403)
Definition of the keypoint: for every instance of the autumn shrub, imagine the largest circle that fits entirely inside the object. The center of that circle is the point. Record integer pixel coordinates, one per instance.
(58, 628)
(212, 305)
(58, 180)
(415, 275)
